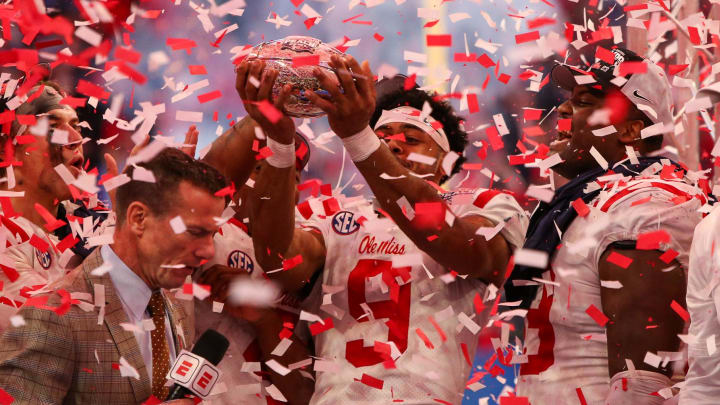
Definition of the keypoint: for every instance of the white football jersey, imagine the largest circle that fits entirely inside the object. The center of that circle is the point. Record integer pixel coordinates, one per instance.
(29, 260)
(702, 383)
(233, 248)
(402, 326)
(566, 348)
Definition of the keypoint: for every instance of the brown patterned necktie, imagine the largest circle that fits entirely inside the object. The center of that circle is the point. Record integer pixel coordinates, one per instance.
(160, 351)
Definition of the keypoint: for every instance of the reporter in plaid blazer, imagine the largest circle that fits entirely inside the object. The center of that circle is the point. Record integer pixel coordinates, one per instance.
(75, 354)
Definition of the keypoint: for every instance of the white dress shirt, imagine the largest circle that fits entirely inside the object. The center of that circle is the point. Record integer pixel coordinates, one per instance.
(135, 296)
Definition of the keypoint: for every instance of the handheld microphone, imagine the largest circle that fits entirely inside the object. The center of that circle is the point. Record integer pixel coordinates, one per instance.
(195, 373)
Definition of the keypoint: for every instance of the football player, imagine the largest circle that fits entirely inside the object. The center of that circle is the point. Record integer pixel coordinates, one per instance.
(250, 342)
(607, 310)
(399, 276)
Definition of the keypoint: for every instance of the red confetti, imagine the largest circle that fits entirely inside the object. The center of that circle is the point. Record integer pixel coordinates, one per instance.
(127, 54)
(540, 22)
(494, 137)
(581, 396)
(514, 401)
(204, 98)
(181, 43)
(597, 315)
(318, 327)
(694, 35)
(675, 69)
(619, 260)
(652, 240)
(39, 243)
(527, 37)
(74, 102)
(292, 262)
(581, 208)
(604, 55)
(532, 114)
(680, 310)
(197, 69)
(485, 61)
(410, 82)
(86, 88)
(296, 3)
(439, 40)
(308, 60)
(371, 381)
(269, 111)
(378, 37)
(473, 105)
(628, 68)
(424, 338)
(67, 242)
(669, 256)
(331, 206)
(5, 398)
(564, 124)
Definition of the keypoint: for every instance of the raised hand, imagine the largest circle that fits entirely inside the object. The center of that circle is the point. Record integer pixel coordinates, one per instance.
(348, 111)
(219, 278)
(191, 139)
(258, 100)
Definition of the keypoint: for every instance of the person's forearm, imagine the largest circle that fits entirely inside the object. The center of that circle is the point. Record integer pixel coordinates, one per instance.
(232, 155)
(296, 388)
(469, 251)
(273, 215)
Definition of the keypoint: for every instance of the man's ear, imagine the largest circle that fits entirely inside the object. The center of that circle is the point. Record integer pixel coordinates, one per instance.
(629, 132)
(136, 216)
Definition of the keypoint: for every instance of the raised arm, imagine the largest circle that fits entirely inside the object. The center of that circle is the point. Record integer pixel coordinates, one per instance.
(231, 154)
(642, 320)
(454, 246)
(275, 236)
(268, 324)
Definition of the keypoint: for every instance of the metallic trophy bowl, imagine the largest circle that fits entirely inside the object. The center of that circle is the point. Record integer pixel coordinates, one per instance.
(294, 58)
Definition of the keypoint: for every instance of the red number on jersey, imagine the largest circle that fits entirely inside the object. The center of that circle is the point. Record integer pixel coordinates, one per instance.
(539, 318)
(396, 309)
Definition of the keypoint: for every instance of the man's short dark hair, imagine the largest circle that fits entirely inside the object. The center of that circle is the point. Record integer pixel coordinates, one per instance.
(391, 94)
(170, 167)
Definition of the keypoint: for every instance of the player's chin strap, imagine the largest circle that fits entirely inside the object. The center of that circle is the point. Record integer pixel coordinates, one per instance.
(638, 387)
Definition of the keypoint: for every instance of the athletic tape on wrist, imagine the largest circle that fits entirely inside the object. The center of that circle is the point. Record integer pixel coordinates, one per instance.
(283, 154)
(361, 145)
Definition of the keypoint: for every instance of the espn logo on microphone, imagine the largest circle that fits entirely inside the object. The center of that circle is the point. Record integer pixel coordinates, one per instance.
(194, 373)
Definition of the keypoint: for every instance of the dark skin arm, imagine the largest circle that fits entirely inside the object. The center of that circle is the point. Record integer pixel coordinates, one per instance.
(232, 155)
(456, 247)
(275, 236)
(644, 300)
(267, 324)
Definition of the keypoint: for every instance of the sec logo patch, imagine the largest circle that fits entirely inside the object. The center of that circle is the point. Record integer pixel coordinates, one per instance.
(44, 258)
(344, 223)
(238, 259)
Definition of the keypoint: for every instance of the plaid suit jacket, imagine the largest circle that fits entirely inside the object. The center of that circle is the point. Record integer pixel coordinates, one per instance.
(74, 358)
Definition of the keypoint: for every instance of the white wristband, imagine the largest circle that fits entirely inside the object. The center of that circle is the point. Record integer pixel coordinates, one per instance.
(283, 155)
(361, 145)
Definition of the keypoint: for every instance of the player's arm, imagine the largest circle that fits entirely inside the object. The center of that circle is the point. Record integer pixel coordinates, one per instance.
(268, 325)
(296, 388)
(456, 247)
(275, 237)
(641, 320)
(231, 154)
